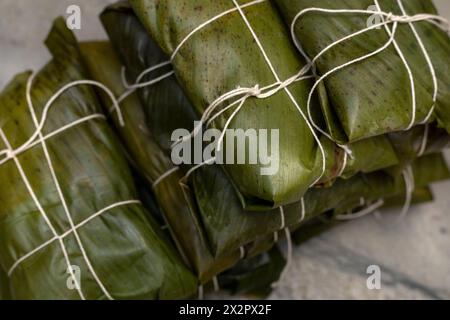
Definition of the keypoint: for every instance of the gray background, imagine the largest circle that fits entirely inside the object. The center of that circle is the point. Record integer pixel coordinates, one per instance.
(414, 256)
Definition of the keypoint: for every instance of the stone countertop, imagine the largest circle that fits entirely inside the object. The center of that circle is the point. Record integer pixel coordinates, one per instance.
(414, 256)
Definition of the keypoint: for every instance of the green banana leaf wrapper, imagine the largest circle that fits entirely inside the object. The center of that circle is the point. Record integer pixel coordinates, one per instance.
(5, 293)
(227, 226)
(228, 47)
(319, 225)
(420, 140)
(214, 205)
(140, 53)
(253, 277)
(119, 253)
(230, 225)
(379, 185)
(373, 97)
(223, 56)
(394, 184)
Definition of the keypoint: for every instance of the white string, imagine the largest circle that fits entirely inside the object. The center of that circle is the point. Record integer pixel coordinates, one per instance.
(341, 67)
(275, 236)
(32, 142)
(216, 284)
(429, 62)
(289, 244)
(164, 176)
(200, 292)
(258, 42)
(357, 215)
(132, 88)
(59, 191)
(288, 258)
(11, 153)
(283, 220)
(69, 232)
(193, 169)
(408, 69)
(408, 177)
(282, 224)
(242, 252)
(434, 79)
(42, 212)
(55, 133)
(390, 18)
(424, 143)
(344, 165)
(185, 39)
(303, 210)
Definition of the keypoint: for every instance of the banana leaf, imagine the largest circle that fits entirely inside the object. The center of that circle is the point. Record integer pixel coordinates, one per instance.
(141, 52)
(420, 140)
(118, 253)
(420, 195)
(5, 293)
(226, 225)
(321, 224)
(233, 59)
(214, 62)
(374, 96)
(389, 184)
(214, 205)
(253, 277)
(375, 186)
(219, 222)
(181, 210)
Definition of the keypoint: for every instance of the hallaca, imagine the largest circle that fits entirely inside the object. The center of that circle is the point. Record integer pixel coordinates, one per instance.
(227, 226)
(211, 64)
(141, 54)
(181, 42)
(209, 255)
(173, 159)
(381, 66)
(71, 224)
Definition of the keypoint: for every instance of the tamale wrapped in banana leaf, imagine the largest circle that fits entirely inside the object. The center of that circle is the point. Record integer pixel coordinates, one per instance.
(141, 53)
(212, 62)
(394, 88)
(71, 225)
(182, 209)
(211, 210)
(223, 56)
(227, 226)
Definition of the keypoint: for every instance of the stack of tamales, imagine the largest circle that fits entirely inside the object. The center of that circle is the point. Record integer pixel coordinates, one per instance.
(96, 206)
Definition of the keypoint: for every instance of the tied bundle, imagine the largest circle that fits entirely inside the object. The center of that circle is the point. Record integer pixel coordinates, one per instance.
(349, 144)
(72, 224)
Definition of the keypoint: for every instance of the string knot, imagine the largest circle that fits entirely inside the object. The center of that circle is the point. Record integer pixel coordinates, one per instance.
(347, 150)
(8, 153)
(255, 91)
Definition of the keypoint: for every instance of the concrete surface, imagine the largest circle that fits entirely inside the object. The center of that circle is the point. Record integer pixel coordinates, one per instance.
(414, 256)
